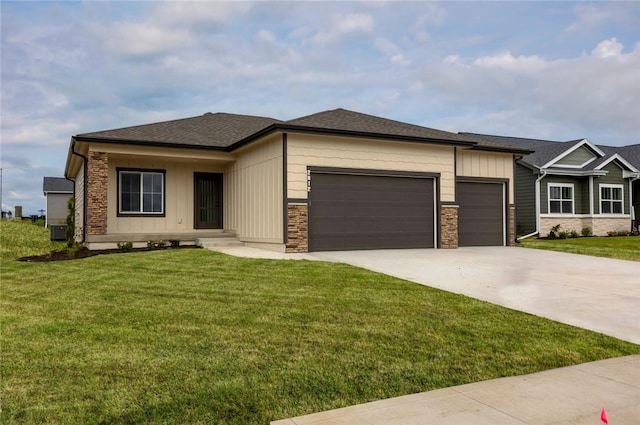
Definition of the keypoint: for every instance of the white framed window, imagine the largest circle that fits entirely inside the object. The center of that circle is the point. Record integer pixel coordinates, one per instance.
(140, 192)
(561, 198)
(611, 199)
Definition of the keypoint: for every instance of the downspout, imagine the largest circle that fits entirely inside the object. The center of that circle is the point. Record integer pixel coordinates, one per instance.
(543, 174)
(84, 191)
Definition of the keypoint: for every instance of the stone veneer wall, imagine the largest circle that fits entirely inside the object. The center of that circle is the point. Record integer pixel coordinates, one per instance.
(97, 185)
(297, 228)
(449, 226)
(511, 230)
(599, 225)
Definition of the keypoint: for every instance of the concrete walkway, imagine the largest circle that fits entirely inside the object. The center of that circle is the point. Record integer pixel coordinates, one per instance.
(572, 395)
(600, 294)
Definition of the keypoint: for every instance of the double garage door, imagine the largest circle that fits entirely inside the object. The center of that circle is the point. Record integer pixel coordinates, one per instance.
(362, 211)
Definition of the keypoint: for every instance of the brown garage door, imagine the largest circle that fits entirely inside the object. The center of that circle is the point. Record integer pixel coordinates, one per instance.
(481, 212)
(349, 212)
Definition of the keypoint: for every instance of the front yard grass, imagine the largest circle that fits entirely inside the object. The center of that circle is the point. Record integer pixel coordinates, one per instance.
(620, 247)
(192, 336)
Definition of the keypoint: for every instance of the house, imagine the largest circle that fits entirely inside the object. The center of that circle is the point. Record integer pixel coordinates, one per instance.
(574, 184)
(57, 191)
(334, 180)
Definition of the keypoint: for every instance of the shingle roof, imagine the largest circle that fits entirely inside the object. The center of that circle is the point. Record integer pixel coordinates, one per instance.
(57, 184)
(217, 130)
(225, 131)
(547, 150)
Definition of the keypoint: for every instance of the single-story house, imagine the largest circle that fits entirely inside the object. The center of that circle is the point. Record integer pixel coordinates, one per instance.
(574, 184)
(57, 191)
(334, 180)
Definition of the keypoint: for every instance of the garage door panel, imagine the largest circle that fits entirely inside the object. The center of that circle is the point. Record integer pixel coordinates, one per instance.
(370, 212)
(480, 214)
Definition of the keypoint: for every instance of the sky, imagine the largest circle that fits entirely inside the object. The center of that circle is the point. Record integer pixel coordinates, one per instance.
(547, 70)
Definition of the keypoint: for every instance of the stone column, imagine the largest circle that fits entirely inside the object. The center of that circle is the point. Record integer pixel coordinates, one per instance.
(297, 228)
(511, 230)
(97, 186)
(449, 226)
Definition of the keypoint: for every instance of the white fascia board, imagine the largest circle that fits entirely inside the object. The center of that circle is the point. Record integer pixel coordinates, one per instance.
(583, 142)
(576, 173)
(620, 159)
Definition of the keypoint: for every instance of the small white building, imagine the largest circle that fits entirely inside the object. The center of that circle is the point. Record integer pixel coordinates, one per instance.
(57, 191)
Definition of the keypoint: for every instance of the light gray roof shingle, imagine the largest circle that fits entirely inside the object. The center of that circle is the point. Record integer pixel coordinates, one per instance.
(57, 184)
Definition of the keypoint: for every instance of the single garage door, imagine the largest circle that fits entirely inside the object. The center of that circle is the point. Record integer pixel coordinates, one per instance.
(481, 214)
(348, 212)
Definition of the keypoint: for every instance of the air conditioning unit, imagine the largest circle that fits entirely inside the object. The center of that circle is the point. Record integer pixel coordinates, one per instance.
(58, 232)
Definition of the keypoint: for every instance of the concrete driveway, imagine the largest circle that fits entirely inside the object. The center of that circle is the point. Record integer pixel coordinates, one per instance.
(599, 294)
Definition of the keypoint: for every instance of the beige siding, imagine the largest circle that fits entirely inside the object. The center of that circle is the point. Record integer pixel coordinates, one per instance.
(486, 164)
(253, 187)
(179, 215)
(79, 213)
(325, 151)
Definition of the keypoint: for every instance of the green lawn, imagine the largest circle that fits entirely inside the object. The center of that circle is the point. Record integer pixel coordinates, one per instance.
(192, 336)
(620, 247)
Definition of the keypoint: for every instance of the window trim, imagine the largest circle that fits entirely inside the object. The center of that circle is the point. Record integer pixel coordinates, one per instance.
(573, 198)
(621, 200)
(140, 171)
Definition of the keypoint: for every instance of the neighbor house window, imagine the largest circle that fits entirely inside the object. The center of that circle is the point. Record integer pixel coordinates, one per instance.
(611, 199)
(560, 198)
(141, 192)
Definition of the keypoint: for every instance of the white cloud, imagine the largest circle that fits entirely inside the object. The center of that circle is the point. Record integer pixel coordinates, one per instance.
(393, 52)
(589, 16)
(135, 39)
(189, 13)
(345, 25)
(507, 61)
(608, 48)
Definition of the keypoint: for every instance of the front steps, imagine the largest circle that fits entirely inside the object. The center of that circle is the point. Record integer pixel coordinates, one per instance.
(225, 239)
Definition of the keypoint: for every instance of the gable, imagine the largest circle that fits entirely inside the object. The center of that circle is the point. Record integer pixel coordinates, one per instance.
(576, 159)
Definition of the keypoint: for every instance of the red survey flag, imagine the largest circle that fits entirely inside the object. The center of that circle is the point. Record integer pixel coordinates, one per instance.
(603, 416)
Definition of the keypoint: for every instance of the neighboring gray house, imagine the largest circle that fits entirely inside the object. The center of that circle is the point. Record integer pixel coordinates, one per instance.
(57, 191)
(575, 184)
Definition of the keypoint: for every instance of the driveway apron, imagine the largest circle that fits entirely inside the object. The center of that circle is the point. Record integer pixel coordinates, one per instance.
(599, 294)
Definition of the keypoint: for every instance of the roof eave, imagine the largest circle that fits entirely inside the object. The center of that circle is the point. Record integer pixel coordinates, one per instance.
(506, 149)
(147, 143)
(346, 133)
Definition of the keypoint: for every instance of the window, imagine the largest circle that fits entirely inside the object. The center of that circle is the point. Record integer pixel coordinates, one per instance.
(141, 192)
(560, 198)
(611, 199)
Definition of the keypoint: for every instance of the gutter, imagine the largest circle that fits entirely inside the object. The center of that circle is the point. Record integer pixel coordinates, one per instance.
(543, 174)
(84, 183)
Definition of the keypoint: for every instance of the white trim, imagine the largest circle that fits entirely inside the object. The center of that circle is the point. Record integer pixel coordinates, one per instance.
(591, 206)
(619, 158)
(611, 186)
(577, 167)
(578, 145)
(573, 197)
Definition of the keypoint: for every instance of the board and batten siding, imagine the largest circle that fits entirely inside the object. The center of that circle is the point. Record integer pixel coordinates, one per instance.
(472, 163)
(253, 192)
(525, 188)
(304, 150)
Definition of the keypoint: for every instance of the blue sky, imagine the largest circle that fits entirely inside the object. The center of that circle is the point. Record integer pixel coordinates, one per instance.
(551, 70)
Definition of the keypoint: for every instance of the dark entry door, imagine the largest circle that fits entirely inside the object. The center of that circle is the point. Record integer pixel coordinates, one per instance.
(208, 200)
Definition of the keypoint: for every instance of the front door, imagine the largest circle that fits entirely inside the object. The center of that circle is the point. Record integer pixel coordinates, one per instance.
(207, 200)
